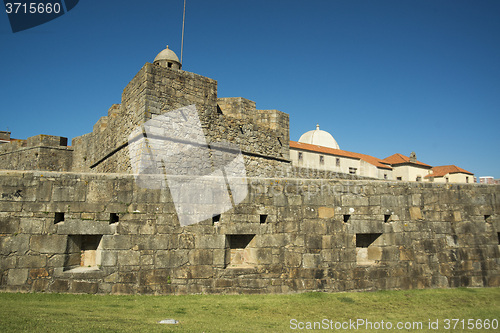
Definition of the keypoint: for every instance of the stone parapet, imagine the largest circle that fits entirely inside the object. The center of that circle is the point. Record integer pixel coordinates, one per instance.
(101, 233)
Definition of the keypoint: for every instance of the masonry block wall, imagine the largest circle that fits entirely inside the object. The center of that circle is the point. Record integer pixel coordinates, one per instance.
(98, 233)
(40, 152)
(262, 135)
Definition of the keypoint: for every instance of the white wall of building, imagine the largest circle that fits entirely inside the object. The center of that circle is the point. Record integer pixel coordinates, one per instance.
(349, 165)
(409, 172)
(455, 178)
(312, 160)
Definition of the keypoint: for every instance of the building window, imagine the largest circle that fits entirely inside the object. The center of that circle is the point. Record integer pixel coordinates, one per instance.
(447, 179)
(263, 218)
(347, 217)
(466, 179)
(321, 159)
(352, 171)
(399, 178)
(337, 161)
(419, 178)
(385, 176)
(300, 156)
(216, 219)
(387, 218)
(169, 65)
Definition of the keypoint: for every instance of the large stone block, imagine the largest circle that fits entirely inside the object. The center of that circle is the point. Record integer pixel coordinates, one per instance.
(109, 258)
(201, 271)
(84, 287)
(210, 241)
(415, 213)
(48, 243)
(17, 277)
(32, 261)
(200, 257)
(173, 258)
(18, 244)
(314, 226)
(128, 257)
(116, 242)
(84, 227)
(354, 201)
(326, 212)
(31, 225)
(311, 260)
(6, 206)
(44, 190)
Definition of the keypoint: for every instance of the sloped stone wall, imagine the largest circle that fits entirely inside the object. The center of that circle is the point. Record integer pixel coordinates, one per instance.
(288, 235)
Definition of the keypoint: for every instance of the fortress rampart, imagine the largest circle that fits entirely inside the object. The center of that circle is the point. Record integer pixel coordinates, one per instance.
(100, 233)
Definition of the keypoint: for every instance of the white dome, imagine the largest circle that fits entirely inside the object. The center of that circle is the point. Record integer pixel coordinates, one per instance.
(319, 138)
(167, 58)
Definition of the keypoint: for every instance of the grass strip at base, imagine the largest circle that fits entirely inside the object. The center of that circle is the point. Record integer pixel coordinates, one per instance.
(40, 312)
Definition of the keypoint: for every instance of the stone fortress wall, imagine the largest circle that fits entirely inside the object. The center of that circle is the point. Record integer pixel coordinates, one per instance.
(262, 135)
(100, 233)
(73, 219)
(41, 152)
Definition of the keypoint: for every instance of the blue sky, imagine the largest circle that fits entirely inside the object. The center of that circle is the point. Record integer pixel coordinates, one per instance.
(382, 77)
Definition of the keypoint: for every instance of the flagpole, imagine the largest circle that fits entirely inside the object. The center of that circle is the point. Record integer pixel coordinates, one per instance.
(182, 38)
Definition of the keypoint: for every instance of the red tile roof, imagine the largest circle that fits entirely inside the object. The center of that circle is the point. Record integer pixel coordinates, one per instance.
(321, 149)
(443, 170)
(339, 152)
(374, 161)
(401, 159)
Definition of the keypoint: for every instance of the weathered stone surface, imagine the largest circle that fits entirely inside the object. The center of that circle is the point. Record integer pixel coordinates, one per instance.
(84, 227)
(326, 212)
(48, 243)
(18, 244)
(129, 257)
(415, 213)
(430, 240)
(32, 261)
(311, 260)
(59, 286)
(84, 287)
(17, 277)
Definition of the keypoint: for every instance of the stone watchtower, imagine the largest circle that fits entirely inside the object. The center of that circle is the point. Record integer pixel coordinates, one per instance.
(161, 87)
(167, 58)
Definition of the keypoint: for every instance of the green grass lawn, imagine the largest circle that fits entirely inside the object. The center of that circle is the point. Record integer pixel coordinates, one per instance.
(246, 313)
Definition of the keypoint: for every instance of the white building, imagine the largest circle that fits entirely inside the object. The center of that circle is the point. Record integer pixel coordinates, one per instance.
(317, 149)
(407, 168)
(449, 174)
